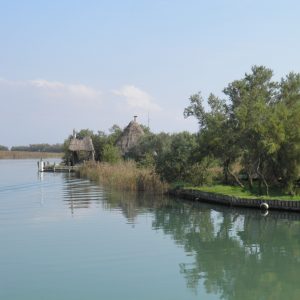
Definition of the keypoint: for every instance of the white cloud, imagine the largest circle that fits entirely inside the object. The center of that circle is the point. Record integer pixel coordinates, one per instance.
(45, 84)
(81, 89)
(56, 88)
(78, 90)
(137, 98)
(46, 111)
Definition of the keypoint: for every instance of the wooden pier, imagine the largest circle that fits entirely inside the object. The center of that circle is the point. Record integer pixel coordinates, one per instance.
(60, 168)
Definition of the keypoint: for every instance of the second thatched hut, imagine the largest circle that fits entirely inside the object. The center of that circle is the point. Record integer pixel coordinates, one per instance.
(130, 136)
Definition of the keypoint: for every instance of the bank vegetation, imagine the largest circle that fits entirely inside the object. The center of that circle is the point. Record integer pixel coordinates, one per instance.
(124, 175)
(249, 138)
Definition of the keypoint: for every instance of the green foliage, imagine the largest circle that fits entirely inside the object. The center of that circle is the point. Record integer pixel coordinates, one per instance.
(173, 164)
(275, 193)
(99, 140)
(111, 154)
(253, 133)
(148, 161)
(56, 148)
(288, 155)
(196, 109)
(154, 144)
(3, 148)
(257, 126)
(201, 173)
(115, 133)
(103, 144)
(83, 133)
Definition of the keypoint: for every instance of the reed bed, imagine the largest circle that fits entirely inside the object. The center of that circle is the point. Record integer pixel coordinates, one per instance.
(28, 155)
(125, 176)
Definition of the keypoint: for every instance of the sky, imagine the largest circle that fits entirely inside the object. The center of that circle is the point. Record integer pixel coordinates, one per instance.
(68, 64)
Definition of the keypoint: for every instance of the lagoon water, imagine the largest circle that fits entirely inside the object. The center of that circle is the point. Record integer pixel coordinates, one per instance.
(65, 238)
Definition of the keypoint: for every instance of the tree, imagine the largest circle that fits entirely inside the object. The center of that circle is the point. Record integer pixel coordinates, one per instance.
(115, 133)
(251, 100)
(258, 127)
(174, 163)
(111, 154)
(99, 140)
(288, 110)
(217, 134)
(3, 148)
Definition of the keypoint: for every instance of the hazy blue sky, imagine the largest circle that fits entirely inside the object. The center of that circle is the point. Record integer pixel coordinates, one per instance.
(91, 64)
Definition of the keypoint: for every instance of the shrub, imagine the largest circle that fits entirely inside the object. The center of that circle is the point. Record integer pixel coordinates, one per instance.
(203, 173)
(111, 154)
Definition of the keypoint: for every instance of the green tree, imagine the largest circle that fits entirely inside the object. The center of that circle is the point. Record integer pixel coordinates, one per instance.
(217, 135)
(111, 154)
(115, 132)
(3, 148)
(99, 141)
(174, 163)
(252, 99)
(257, 127)
(288, 111)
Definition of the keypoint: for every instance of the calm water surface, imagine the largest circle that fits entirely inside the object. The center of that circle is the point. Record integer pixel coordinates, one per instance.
(65, 238)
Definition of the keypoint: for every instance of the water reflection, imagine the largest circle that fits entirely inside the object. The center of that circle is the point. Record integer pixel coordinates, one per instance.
(132, 204)
(235, 253)
(78, 193)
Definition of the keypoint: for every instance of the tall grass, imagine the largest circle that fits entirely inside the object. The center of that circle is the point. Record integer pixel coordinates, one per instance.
(28, 155)
(124, 175)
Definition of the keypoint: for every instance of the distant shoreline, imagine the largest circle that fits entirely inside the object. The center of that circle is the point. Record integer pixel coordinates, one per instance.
(28, 155)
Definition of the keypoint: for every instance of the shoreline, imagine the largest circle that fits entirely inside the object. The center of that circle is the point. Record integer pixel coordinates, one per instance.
(209, 197)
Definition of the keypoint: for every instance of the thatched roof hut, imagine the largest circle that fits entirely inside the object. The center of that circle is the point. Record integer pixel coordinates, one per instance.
(85, 144)
(81, 149)
(130, 136)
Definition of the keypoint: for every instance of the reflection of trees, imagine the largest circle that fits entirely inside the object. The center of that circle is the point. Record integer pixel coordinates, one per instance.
(237, 255)
(133, 204)
(79, 193)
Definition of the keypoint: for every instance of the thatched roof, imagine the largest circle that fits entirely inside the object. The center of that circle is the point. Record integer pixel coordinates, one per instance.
(85, 144)
(130, 136)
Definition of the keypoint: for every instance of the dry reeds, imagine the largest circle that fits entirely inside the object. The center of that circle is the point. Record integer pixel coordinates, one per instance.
(124, 175)
(28, 155)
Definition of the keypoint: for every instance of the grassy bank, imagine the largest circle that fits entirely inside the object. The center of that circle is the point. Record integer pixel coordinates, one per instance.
(124, 176)
(239, 192)
(28, 155)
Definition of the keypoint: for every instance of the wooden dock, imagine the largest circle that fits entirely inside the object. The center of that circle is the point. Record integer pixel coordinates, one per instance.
(46, 167)
(60, 168)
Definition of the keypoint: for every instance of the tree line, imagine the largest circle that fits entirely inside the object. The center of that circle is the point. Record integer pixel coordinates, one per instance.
(250, 138)
(256, 125)
(55, 148)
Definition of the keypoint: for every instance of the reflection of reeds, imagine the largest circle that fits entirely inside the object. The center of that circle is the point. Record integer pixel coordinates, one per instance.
(28, 155)
(124, 175)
